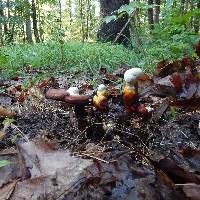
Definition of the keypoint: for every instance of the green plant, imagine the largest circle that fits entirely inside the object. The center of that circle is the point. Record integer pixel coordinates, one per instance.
(3, 163)
(173, 112)
(76, 56)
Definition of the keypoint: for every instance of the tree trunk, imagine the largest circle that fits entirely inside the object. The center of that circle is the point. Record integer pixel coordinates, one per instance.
(88, 18)
(82, 19)
(182, 6)
(196, 20)
(28, 23)
(35, 27)
(109, 31)
(9, 28)
(1, 24)
(9, 15)
(70, 11)
(134, 30)
(150, 15)
(60, 14)
(157, 11)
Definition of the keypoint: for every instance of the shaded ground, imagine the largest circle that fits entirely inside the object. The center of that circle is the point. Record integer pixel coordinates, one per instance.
(134, 156)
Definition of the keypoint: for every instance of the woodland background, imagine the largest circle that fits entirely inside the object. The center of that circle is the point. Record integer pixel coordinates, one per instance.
(79, 34)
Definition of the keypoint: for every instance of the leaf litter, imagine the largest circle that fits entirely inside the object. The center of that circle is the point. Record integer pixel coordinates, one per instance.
(110, 155)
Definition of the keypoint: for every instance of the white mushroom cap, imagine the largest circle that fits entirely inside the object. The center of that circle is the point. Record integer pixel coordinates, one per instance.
(101, 88)
(129, 77)
(74, 91)
(132, 74)
(149, 109)
(135, 71)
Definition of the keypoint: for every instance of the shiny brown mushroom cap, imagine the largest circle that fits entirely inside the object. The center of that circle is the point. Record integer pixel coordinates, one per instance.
(78, 99)
(56, 94)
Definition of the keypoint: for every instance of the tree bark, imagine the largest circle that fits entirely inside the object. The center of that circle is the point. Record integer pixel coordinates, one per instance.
(28, 23)
(157, 11)
(60, 14)
(82, 19)
(134, 29)
(34, 17)
(196, 20)
(70, 11)
(182, 6)
(1, 24)
(88, 18)
(109, 31)
(9, 15)
(150, 15)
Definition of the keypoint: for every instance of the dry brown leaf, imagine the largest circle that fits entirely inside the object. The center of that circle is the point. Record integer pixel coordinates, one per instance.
(191, 190)
(4, 112)
(7, 190)
(2, 135)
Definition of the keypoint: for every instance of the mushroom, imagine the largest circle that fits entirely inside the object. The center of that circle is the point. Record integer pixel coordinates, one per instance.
(130, 93)
(56, 94)
(74, 91)
(100, 101)
(79, 102)
(72, 98)
(144, 112)
(133, 74)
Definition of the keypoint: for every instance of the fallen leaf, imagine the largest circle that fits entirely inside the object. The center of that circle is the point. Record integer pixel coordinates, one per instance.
(52, 171)
(190, 104)
(4, 112)
(7, 190)
(160, 111)
(2, 135)
(165, 86)
(165, 68)
(177, 82)
(15, 78)
(49, 160)
(191, 190)
(176, 173)
(10, 171)
(197, 48)
(192, 156)
(5, 100)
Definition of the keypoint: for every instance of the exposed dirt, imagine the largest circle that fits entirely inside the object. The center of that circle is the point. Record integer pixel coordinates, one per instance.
(132, 147)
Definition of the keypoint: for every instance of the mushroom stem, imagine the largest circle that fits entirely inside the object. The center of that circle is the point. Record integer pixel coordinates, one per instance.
(79, 110)
(130, 96)
(100, 101)
(79, 102)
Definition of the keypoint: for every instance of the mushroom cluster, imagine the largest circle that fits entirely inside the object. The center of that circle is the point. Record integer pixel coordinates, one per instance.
(72, 98)
(77, 100)
(100, 101)
(130, 92)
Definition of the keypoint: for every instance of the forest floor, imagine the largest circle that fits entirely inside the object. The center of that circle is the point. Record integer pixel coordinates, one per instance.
(48, 152)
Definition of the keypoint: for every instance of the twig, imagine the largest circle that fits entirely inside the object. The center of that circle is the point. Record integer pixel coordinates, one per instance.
(81, 133)
(188, 138)
(135, 136)
(21, 133)
(85, 154)
(120, 33)
(8, 153)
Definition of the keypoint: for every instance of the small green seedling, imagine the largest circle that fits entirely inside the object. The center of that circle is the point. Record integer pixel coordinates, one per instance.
(3, 163)
(173, 112)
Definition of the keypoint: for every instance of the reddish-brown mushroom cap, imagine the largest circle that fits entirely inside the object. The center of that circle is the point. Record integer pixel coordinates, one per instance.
(56, 94)
(79, 99)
